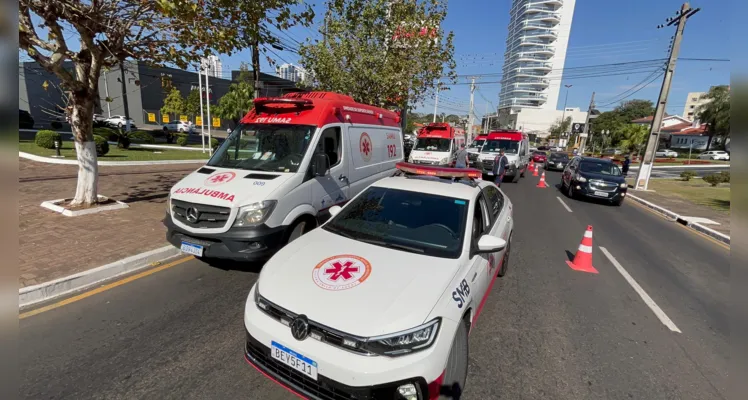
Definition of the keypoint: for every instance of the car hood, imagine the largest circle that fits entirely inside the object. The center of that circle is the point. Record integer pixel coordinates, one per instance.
(228, 187)
(602, 177)
(399, 292)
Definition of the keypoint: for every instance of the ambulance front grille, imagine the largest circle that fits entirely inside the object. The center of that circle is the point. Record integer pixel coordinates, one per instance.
(207, 216)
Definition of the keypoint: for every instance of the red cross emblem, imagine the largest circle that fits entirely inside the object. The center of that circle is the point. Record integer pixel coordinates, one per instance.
(339, 270)
(365, 146)
(220, 178)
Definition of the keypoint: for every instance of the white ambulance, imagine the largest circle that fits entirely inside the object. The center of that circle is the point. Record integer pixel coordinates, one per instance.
(437, 144)
(279, 172)
(516, 146)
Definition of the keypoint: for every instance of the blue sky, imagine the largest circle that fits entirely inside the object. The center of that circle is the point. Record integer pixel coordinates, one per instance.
(603, 31)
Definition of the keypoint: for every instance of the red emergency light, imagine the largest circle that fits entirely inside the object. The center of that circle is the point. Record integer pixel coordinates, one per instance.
(441, 172)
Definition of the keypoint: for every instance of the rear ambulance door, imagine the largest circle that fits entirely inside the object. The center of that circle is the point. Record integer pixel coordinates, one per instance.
(332, 188)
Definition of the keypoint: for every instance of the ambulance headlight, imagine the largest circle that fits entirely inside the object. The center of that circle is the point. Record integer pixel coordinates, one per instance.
(444, 160)
(405, 342)
(255, 214)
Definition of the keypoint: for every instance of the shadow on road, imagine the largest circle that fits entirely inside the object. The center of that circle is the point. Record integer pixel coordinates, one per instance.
(231, 265)
(451, 392)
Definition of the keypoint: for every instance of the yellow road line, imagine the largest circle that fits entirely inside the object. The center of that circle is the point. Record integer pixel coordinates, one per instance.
(103, 288)
(688, 228)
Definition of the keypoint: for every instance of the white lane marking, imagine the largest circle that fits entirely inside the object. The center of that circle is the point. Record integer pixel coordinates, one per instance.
(647, 300)
(563, 204)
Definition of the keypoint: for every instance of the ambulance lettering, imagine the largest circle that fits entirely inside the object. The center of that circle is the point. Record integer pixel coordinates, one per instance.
(461, 293)
(273, 120)
(206, 192)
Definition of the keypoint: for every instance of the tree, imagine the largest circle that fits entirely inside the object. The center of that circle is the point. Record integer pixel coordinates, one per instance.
(173, 103)
(192, 103)
(633, 137)
(238, 100)
(634, 109)
(560, 127)
(382, 52)
(716, 113)
(75, 39)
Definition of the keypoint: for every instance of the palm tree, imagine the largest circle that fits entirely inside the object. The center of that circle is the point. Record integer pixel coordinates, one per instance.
(716, 113)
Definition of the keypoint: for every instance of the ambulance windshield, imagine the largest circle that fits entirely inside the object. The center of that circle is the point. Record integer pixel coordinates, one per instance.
(264, 147)
(493, 146)
(433, 144)
(477, 143)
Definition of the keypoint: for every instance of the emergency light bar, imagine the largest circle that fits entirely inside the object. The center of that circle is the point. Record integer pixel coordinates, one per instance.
(264, 102)
(441, 172)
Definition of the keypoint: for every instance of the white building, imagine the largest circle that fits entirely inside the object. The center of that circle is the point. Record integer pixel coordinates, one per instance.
(534, 60)
(693, 101)
(214, 66)
(291, 72)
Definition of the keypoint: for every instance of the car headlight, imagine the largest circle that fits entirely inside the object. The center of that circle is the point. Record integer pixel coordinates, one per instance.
(405, 342)
(444, 160)
(255, 213)
(624, 185)
(580, 178)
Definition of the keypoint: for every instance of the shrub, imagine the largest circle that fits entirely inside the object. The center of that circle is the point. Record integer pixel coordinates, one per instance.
(107, 133)
(214, 143)
(123, 142)
(141, 137)
(46, 139)
(102, 145)
(687, 175)
(182, 140)
(725, 175)
(713, 179)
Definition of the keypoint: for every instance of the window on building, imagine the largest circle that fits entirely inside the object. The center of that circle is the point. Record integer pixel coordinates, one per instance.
(694, 99)
(692, 106)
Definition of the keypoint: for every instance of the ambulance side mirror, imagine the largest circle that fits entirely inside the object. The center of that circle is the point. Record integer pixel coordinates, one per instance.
(320, 164)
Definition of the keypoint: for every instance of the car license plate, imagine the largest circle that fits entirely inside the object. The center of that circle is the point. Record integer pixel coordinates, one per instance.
(560, 165)
(294, 360)
(601, 194)
(194, 249)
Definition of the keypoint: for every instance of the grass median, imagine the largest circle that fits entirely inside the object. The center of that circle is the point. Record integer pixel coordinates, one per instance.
(116, 154)
(695, 191)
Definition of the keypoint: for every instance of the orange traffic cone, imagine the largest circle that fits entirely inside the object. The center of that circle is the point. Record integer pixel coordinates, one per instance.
(583, 258)
(541, 184)
(535, 172)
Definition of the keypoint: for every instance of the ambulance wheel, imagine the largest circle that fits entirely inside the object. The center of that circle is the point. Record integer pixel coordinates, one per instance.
(455, 374)
(299, 228)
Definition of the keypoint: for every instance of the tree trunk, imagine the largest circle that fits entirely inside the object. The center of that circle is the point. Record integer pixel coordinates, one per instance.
(82, 124)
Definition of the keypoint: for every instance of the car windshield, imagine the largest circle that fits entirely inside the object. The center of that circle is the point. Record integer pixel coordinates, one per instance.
(408, 221)
(539, 153)
(478, 143)
(602, 168)
(433, 144)
(493, 146)
(559, 156)
(264, 147)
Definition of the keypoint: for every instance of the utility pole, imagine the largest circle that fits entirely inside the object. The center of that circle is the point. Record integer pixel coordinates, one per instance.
(124, 94)
(645, 168)
(207, 100)
(563, 114)
(255, 68)
(106, 92)
(202, 116)
(436, 102)
(586, 128)
(472, 110)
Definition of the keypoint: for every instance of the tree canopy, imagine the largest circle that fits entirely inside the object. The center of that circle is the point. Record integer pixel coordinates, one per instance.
(173, 103)
(382, 52)
(192, 102)
(716, 113)
(238, 100)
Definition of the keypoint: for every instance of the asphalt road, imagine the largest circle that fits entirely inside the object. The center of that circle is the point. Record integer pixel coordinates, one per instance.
(548, 332)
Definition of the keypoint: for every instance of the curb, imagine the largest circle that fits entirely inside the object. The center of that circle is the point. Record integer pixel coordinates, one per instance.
(31, 295)
(50, 160)
(685, 166)
(677, 218)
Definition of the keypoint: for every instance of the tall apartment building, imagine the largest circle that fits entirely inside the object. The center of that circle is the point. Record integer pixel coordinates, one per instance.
(214, 66)
(291, 72)
(534, 60)
(693, 101)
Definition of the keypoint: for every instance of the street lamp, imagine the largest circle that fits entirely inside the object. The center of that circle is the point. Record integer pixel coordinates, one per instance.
(566, 98)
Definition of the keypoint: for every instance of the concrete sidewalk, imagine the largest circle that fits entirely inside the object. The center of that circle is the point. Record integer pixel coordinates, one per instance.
(53, 246)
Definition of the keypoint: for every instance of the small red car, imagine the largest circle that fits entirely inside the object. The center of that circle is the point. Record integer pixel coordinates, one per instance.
(539, 157)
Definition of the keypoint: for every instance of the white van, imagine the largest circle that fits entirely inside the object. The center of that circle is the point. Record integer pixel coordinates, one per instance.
(279, 172)
(437, 144)
(516, 147)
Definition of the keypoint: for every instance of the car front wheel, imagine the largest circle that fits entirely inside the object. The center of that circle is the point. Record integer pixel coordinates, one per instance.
(457, 365)
(570, 190)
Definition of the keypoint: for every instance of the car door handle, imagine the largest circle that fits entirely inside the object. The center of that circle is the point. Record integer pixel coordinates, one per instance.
(474, 276)
(342, 178)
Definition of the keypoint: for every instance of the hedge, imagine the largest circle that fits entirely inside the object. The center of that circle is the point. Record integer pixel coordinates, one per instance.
(142, 137)
(102, 146)
(46, 139)
(107, 133)
(182, 140)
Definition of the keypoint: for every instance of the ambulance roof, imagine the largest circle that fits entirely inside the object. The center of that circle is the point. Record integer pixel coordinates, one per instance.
(318, 109)
(506, 135)
(441, 130)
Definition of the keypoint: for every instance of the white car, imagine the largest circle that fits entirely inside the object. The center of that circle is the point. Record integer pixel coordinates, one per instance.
(180, 126)
(378, 302)
(714, 155)
(666, 153)
(119, 121)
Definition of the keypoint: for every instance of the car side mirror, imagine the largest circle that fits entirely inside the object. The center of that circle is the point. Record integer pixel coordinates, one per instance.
(320, 164)
(334, 210)
(490, 244)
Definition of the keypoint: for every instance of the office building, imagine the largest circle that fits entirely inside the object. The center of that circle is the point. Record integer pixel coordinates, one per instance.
(534, 59)
(214, 66)
(291, 72)
(693, 101)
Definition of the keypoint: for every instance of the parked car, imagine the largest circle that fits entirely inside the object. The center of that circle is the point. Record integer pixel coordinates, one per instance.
(119, 121)
(666, 153)
(543, 148)
(715, 155)
(594, 178)
(557, 161)
(25, 121)
(612, 152)
(180, 126)
(539, 157)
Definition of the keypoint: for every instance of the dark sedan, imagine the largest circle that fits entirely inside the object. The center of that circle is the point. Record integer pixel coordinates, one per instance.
(539, 157)
(594, 178)
(557, 161)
